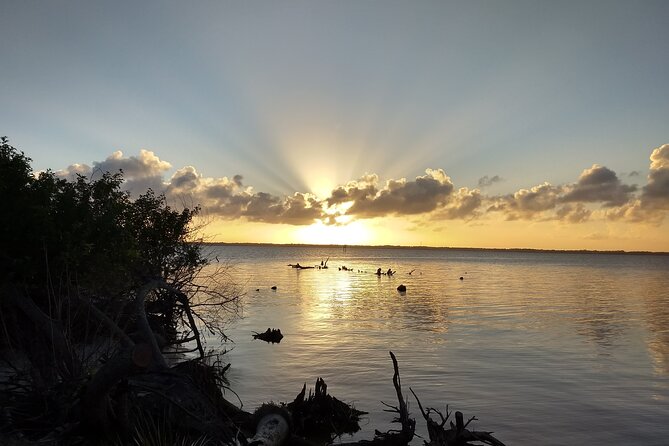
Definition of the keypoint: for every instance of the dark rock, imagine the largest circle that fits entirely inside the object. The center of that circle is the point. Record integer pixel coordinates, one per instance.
(401, 288)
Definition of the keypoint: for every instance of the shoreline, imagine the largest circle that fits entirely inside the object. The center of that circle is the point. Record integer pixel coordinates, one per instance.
(446, 248)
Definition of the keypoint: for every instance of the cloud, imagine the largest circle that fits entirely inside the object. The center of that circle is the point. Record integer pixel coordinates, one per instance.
(362, 189)
(221, 197)
(653, 202)
(397, 197)
(596, 236)
(655, 194)
(598, 184)
(487, 181)
(464, 204)
(299, 209)
(527, 203)
(140, 172)
(597, 193)
(229, 199)
(184, 179)
(632, 211)
(573, 214)
(71, 172)
(567, 202)
(147, 164)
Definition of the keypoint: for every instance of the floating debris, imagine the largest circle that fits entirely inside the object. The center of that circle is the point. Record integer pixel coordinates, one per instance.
(272, 335)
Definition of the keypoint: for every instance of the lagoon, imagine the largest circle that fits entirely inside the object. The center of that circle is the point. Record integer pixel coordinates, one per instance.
(543, 347)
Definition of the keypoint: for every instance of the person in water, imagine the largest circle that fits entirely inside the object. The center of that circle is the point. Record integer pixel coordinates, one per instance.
(390, 272)
(378, 272)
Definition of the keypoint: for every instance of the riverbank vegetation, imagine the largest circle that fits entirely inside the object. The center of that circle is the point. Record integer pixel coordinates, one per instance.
(97, 288)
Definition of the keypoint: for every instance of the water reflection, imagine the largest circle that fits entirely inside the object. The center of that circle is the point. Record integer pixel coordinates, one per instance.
(554, 340)
(601, 315)
(656, 302)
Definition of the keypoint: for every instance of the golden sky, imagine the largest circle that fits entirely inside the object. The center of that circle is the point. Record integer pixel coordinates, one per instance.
(598, 210)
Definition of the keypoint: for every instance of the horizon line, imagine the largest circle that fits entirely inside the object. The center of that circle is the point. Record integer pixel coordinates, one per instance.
(427, 247)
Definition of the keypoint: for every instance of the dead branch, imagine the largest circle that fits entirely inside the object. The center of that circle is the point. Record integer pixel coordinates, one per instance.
(457, 435)
(183, 300)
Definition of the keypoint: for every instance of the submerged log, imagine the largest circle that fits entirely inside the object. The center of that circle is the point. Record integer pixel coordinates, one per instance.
(298, 266)
(272, 335)
(322, 417)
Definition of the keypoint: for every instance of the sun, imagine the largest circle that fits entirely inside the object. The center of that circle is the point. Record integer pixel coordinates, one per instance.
(351, 233)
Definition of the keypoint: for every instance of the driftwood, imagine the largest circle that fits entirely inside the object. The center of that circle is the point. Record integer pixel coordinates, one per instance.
(394, 437)
(298, 266)
(272, 335)
(272, 426)
(457, 434)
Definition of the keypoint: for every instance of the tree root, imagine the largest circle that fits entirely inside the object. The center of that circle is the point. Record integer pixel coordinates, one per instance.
(457, 434)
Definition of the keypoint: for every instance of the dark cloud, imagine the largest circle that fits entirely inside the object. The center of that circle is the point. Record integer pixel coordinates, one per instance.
(573, 213)
(598, 184)
(228, 199)
(527, 203)
(464, 204)
(397, 197)
(487, 181)
(300, 209)
(653, 202)
(362, 189)
(184, 179)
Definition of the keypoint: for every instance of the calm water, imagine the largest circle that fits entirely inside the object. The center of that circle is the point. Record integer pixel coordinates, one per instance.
(544, 348)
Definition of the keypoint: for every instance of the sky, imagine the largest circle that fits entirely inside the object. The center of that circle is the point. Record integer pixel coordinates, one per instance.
(505, 124)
